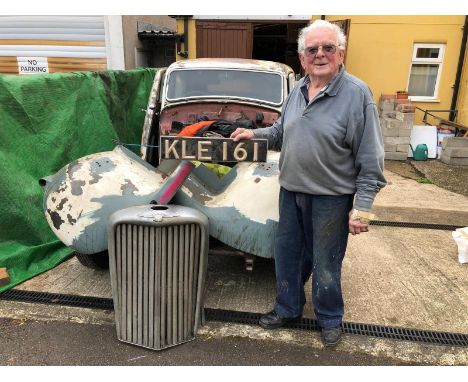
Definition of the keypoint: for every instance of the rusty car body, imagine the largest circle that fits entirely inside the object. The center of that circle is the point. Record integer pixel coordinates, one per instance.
(242, 205)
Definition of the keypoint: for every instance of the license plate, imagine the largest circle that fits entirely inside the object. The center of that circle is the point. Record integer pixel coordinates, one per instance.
(213, 149)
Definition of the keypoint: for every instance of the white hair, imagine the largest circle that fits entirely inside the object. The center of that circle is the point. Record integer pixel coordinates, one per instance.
(340, 36)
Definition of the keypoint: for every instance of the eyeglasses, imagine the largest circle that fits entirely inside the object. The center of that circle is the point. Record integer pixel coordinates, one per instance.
(312, 51)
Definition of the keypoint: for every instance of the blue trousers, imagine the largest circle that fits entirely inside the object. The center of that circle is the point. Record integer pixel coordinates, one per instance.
(311, 239)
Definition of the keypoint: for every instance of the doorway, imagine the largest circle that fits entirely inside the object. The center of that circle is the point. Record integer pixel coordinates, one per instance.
(277, 42)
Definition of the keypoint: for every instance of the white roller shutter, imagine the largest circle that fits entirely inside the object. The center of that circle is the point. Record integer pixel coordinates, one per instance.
(58, 43)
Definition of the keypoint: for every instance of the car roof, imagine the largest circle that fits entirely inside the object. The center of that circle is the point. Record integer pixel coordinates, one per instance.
(231, 63)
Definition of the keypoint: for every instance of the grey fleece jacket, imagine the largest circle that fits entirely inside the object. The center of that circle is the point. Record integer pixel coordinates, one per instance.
(331, 145)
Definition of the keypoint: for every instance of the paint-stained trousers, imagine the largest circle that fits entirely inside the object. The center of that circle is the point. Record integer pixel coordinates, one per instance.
(312, 238)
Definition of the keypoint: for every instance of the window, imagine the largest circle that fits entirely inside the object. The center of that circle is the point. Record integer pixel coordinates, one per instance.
(225, 83)
(426, 66)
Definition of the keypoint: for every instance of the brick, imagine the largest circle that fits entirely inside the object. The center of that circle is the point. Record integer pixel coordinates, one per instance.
(389, 127)
(386, 132)
(397, 140)
(404, 117)
(405, 108)
(390, 147)
(403, 148)
(402, 101)
(455, 142)
(396, 156)
(455, 152)
(386, 107)
(391, 123)
(390, 114)
(454, 161)
(404, 131)
(4, 277)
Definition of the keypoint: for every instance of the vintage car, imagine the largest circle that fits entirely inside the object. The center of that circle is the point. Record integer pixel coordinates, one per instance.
(239, 198)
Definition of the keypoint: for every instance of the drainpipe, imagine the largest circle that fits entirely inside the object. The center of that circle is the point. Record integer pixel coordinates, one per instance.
(186, 36)
(461, 59)
(184, 54)
(182, 38)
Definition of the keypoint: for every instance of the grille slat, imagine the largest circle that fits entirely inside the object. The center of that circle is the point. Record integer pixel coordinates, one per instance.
(170, 262)
(148, 289)
(123, 283)
(175, 259)
(134, 283)
(190, 280)
(164, 249)
(140, 283)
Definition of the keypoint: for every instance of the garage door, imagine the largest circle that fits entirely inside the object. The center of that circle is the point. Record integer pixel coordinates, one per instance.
(224, 39)
(41, 44)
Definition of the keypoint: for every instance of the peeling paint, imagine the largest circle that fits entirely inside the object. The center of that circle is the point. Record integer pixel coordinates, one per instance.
(70, 219)
(80, 221)
(72, 168)
(63, 187)
(99, 167)
(56, 219)
(128, 188)
(77, 187)
(62, 202)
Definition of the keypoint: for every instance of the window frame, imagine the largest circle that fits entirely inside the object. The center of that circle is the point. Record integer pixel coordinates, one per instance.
(418, 60)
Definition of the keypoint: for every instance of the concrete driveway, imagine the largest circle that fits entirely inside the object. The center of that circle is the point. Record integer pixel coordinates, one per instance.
(399, 277)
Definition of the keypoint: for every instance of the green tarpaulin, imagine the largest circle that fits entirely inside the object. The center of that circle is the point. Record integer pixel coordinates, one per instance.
(46, 122)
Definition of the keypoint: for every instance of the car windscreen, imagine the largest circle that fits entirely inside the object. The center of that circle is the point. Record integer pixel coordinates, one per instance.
(263, 86)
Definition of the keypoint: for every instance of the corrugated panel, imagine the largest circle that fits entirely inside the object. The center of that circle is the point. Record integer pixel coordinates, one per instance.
(70, 43)
(224, 39)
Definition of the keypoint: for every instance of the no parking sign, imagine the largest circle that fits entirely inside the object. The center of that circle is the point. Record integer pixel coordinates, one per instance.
(32, 65)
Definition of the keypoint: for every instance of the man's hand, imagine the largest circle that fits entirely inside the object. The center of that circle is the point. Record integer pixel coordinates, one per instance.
(356, 227)
(357, 223)
(241, 133)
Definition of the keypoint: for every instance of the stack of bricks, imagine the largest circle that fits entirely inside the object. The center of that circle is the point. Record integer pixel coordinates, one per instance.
(455, 151)
(396, 122)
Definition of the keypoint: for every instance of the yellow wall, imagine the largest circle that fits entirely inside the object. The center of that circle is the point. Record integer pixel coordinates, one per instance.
(462, 104)
(192, 42)
(380, 50)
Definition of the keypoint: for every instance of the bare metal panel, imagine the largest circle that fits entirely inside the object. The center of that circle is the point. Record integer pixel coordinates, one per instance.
(158, 265)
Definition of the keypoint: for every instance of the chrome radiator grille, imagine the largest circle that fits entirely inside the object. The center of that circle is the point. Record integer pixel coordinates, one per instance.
(157, 274)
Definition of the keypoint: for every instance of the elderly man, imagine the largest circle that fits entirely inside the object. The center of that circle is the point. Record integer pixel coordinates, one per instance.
(331, 167)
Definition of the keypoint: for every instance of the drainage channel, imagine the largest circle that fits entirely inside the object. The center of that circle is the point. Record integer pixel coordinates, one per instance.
(441, 227)
(403, 334)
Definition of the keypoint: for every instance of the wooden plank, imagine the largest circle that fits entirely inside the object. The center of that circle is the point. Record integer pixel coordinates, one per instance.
(4, 277)
(453, 124)
(76, 59)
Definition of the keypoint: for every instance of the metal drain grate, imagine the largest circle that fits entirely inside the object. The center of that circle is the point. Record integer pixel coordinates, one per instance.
(436, 338)
(442, 227)
(403, 334)
(57, 299)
